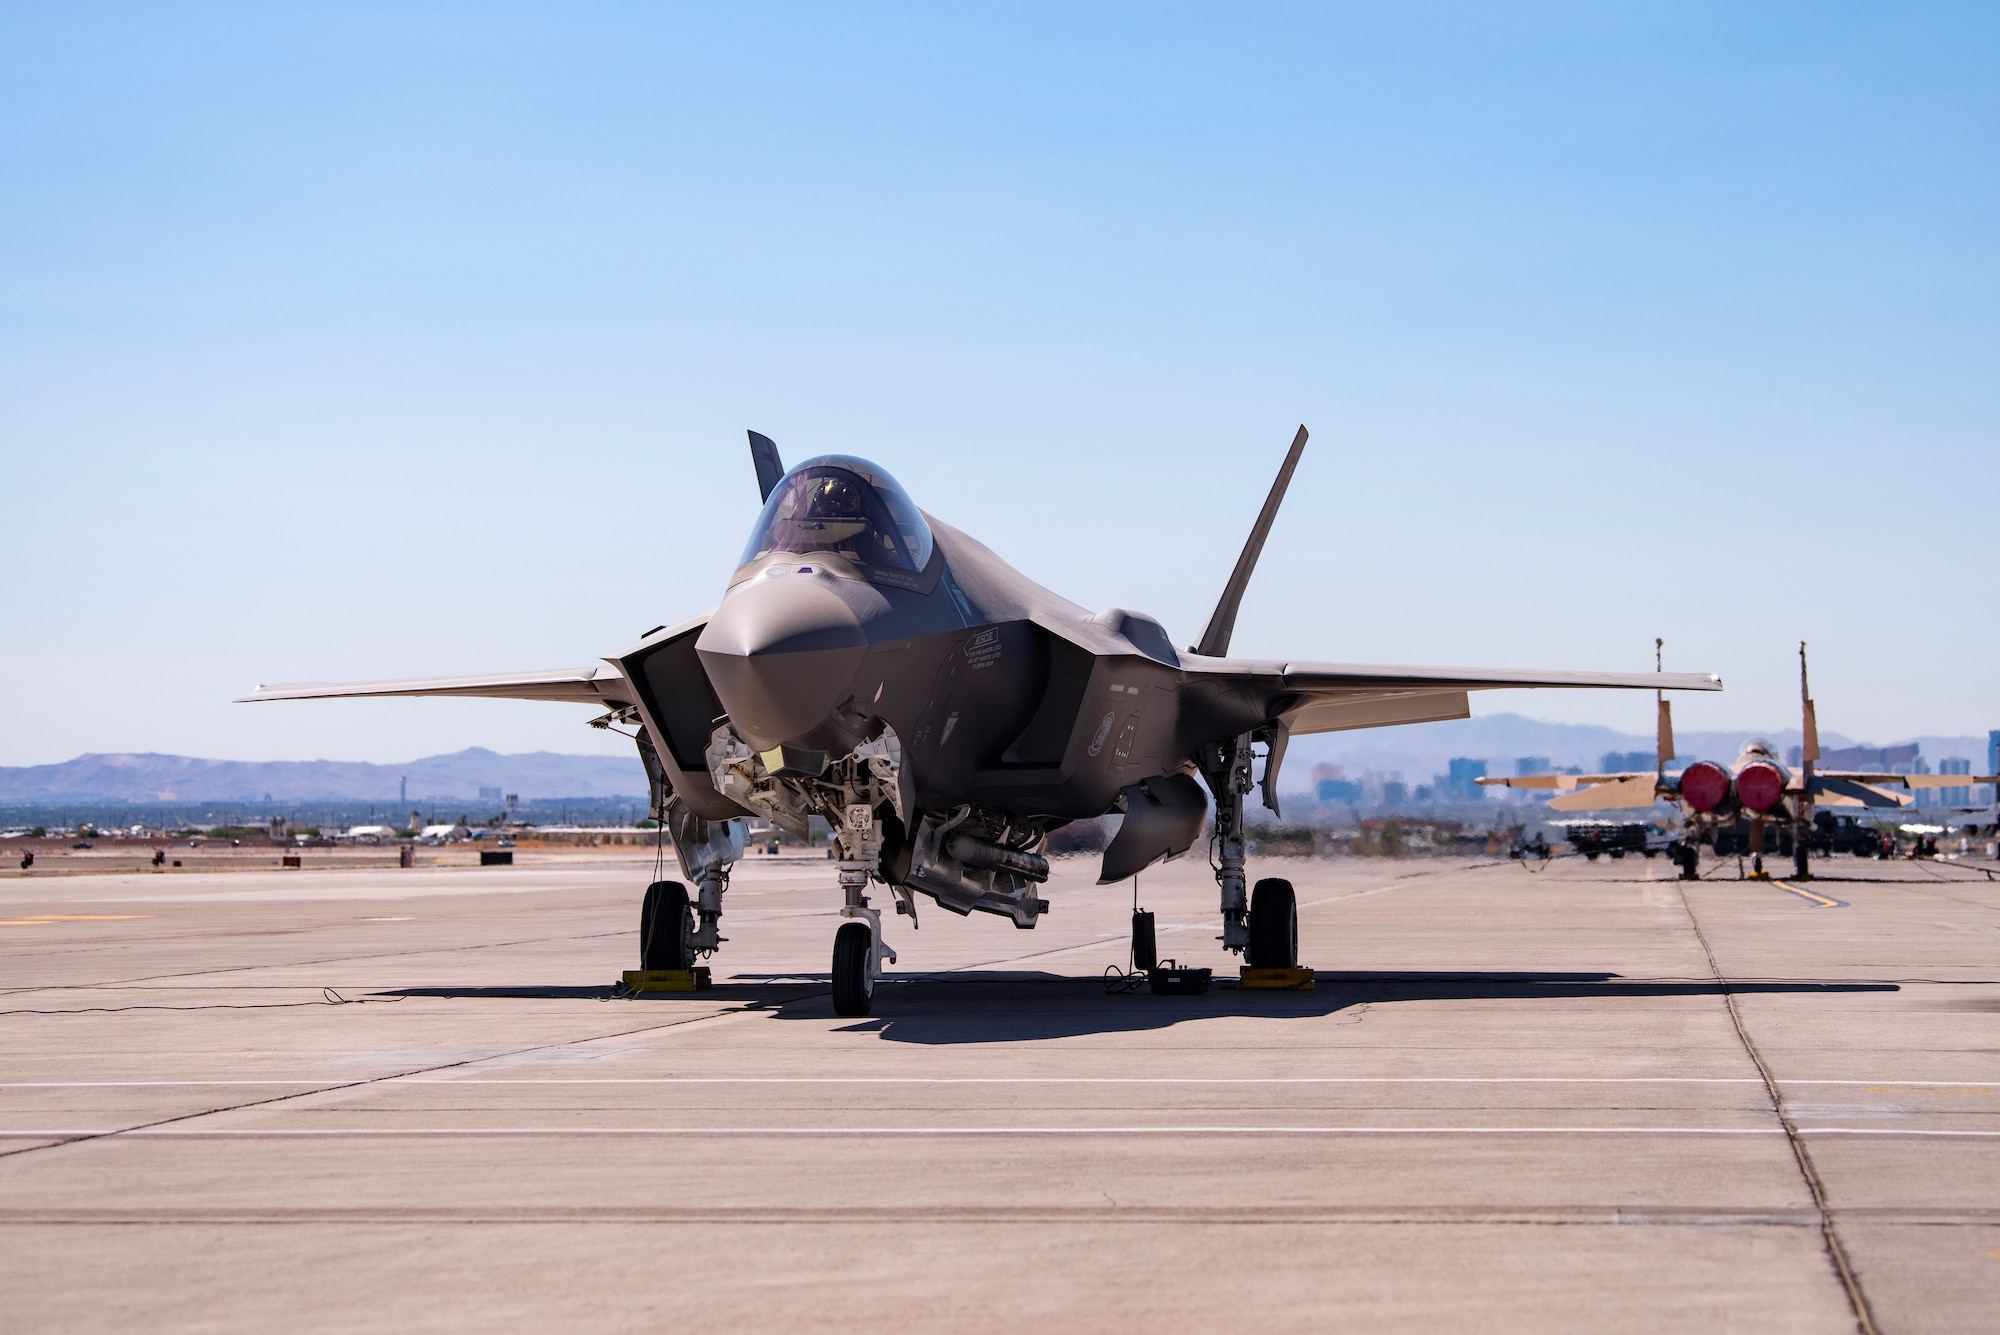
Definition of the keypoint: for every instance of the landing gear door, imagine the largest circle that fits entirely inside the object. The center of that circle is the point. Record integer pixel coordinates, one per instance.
(703, 845)
(680, 711)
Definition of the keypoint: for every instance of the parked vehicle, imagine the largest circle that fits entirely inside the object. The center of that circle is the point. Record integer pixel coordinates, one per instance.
(1844, 834)
(1592, 837)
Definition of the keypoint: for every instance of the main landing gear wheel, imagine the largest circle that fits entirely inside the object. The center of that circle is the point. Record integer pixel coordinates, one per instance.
(1274, 926)
(853, 969)
(666, 927)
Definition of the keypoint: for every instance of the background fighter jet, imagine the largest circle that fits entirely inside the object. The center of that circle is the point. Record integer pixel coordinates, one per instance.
(875, 667)
(1756, 791)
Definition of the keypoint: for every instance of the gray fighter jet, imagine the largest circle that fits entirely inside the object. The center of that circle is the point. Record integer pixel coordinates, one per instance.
(875, 667)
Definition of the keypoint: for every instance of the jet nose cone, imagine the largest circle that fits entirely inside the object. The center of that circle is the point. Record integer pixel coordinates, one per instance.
(782, 655)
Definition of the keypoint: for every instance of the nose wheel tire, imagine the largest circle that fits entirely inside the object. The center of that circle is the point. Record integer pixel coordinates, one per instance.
(853, 969)
(666, 927)
(1274, 926)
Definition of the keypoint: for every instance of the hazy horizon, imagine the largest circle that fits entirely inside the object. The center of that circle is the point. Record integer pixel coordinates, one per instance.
(1499, 736)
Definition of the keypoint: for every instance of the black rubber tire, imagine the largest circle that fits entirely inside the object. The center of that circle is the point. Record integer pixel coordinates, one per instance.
(1274, 926)
(666, 927)
(853, 969)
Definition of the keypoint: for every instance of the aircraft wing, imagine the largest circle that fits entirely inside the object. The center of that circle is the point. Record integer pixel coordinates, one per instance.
(1587, 792)
(1908, 780)
(1835, 790)
(1333, 697)
(602, 685)
(1630, 792)
(1560, 782)
(1859, 788)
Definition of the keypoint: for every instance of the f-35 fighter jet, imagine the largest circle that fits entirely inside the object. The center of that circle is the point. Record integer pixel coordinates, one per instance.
(875, 667)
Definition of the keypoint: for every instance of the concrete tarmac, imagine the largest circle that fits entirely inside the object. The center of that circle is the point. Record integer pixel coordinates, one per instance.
(1585, 1097)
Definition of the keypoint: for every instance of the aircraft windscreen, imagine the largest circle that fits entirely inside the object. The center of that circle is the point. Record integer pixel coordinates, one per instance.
(845, 506)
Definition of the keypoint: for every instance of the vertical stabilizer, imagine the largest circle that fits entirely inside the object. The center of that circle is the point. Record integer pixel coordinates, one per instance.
(1215, 640)
(770, 469)
(1809, 723)
(1664, 737)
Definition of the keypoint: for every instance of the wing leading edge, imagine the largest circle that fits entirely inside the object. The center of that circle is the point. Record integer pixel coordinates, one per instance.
(601, 685)
(1335, 697)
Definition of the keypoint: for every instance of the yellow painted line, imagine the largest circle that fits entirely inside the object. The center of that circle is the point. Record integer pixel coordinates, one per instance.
(1820, 900)
(39, 919)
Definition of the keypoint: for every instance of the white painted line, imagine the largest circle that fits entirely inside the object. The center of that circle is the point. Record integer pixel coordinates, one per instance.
(1986, 1086)
(255, 1133)
(150, 1084)
(1889, 1131)
(1044, 1080)
(1982, 1086)
(277, 1133)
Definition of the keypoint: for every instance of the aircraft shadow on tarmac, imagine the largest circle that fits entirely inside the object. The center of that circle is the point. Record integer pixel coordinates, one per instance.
(1016, 1007)
(1013, 1007)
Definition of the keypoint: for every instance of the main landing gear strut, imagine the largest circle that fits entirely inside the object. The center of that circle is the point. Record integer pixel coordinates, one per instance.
(676, 928)
(1264, 924)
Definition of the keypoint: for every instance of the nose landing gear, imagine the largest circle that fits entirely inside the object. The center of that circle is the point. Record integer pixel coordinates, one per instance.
(858, 947)
(858, 954)
(853, 969)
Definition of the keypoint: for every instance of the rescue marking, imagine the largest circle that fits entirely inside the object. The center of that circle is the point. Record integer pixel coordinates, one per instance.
(1820, 900)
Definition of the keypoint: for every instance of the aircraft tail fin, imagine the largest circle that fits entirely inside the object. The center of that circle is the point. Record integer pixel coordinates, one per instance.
(764, 454)
(1215, 640)
(1809, 717)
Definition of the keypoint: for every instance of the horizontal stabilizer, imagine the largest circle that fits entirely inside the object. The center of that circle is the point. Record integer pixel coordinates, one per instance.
(1345, 713)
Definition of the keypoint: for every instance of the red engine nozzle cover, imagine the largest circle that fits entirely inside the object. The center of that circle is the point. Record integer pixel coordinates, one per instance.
(1760, 786)
(1704, 785)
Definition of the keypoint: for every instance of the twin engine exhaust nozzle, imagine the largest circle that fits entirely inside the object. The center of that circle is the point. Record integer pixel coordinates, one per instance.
(1758, 786)
(972, 851)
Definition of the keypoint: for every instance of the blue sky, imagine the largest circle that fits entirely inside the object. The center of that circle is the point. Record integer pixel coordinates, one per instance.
(347, 342)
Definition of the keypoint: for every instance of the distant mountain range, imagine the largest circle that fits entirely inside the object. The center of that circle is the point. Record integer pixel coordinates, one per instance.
(1414, 753)
(157, 778)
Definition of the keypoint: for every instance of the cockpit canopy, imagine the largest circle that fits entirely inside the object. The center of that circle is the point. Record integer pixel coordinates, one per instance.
(845, 506)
